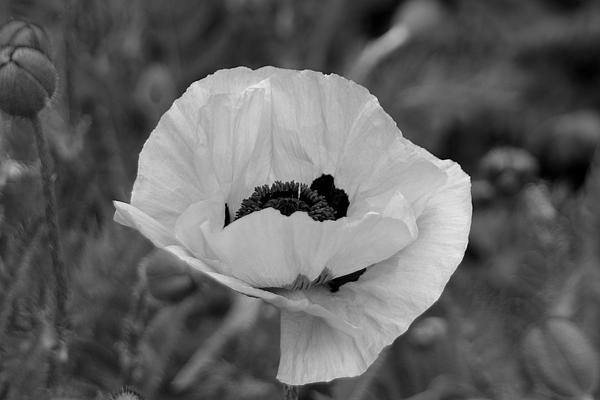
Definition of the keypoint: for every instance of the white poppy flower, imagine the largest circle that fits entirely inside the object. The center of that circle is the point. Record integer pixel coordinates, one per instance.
(379, 224)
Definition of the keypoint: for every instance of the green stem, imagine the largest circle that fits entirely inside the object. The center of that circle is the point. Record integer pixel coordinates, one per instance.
(290, 392)
(67, 31)
(18, 288)
(58, 267)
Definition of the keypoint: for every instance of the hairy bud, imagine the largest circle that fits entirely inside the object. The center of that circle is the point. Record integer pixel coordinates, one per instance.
(27, 80)
(24, 34)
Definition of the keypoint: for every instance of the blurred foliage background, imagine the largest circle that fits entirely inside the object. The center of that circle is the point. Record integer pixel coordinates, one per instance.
(510, 89)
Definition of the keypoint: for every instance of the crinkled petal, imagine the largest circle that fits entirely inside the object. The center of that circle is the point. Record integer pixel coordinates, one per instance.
(312, 117)
(294, 302)
(130, 216)
(311, 350)
(268, 249)
(236, 129)
(204, 216)
(240, 128)
(326, 124)
(329, 124)
(387, 298)
(411, 173)
(374, 237)
(175, 166)
(174, 169)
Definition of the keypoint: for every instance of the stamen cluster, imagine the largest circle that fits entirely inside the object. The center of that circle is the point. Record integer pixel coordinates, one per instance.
(287, 197)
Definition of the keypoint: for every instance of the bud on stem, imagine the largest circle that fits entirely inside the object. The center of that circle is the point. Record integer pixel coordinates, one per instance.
(24, 34)
(60, 274)
(27, 81)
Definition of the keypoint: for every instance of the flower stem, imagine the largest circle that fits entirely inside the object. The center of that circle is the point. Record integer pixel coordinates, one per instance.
(291, 392)
(58, 267)
(18, 288)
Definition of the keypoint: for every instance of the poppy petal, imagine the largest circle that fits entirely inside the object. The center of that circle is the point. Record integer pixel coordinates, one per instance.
(413, 175)
(175, 165)
(311, 350)
(375, 237)
(407, 221)
(236, 130)
(387, 297)
(327, 124)
(268, 249)
(294, 302)
(130, 216)
(198, 220)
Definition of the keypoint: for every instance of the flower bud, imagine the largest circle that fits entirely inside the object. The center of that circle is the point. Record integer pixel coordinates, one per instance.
(168, 278)
(560, 360)
(27, 80)
(509, 168)
(23, 34)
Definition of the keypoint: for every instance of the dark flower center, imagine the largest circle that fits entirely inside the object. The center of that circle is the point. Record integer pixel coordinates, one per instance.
(336, 198)
(288, 197)
(321, 200)
(335, 284)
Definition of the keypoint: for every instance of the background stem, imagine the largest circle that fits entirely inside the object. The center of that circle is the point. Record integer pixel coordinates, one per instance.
(290, 392)
(58, 267)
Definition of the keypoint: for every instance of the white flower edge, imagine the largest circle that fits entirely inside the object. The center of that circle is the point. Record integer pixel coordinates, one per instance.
(161, 237)
(385, 300)
(326, 335)
(165, 188)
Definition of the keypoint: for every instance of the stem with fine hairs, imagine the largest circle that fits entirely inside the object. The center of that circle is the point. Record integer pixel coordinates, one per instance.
(54, 247)
(290, 392)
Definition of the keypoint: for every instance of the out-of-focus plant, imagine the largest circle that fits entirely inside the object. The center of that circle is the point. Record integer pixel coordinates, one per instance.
(27, 83)
(560, 360)
(476, 76)
(508, 169)
(568, 146)
(166, 277)
(155, 91)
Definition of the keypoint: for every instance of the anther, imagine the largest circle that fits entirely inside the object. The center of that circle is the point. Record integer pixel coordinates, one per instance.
(287, 197)
(321, 201)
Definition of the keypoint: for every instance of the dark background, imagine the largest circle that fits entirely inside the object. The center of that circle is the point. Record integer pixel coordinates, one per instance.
(509, 89)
